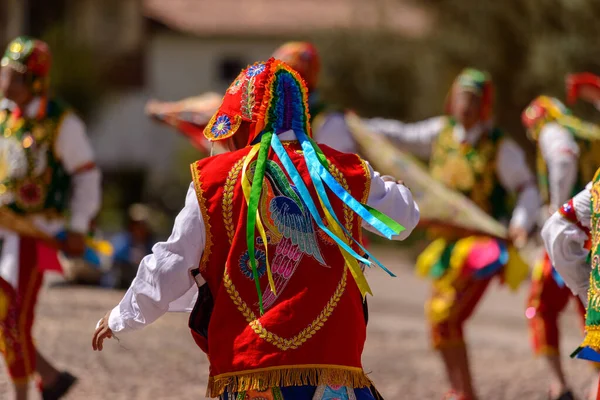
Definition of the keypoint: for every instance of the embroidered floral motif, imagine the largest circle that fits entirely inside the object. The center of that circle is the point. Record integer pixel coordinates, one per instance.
(237, 84)
(261, 266)
(221, 126)
(255, 69)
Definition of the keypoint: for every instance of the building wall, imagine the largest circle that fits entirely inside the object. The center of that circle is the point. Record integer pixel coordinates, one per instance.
(177, 66)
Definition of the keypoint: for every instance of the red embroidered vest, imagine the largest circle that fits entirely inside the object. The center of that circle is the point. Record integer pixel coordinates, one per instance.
(313, 331)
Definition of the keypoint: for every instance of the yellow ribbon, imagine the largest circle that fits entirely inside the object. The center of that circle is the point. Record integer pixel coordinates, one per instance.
(246, 187)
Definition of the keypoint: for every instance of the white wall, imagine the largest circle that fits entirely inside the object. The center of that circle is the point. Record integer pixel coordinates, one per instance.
(178, 66)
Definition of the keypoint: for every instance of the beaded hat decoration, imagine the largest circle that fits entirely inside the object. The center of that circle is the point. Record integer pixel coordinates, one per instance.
(269, 98)
(302, 57)
(479, 83)
(31, 57)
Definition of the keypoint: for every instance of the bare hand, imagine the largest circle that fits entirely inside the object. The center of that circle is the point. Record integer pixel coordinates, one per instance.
(102, 332)
(518, 236)
(74, 244)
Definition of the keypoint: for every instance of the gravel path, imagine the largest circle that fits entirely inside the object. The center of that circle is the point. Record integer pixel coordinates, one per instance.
(162, 362)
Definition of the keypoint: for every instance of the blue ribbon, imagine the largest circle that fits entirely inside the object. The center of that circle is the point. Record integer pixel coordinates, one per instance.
(323, 195)
(312, 161)
(305, 194)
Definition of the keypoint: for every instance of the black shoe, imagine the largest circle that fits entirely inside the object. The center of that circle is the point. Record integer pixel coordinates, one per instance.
(64, 382)
(568, 395)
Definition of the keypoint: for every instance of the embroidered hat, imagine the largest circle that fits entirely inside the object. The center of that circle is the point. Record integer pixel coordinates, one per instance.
(304, 58)
(266, 96)
(477, 82)
(266, 99)
(544, 109)
(31, 57)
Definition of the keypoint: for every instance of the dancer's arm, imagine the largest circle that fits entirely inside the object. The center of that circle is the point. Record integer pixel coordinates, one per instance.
(163, 276)
(516, 177)
(561, 154)
(415, 137)
(73, 148)
(395, 200)
(565, 235)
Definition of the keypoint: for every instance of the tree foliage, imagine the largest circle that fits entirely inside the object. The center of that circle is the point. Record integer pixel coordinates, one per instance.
(527, 45)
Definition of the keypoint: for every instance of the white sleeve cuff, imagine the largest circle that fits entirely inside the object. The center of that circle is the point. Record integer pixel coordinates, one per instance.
(115, 320)
(79, 224)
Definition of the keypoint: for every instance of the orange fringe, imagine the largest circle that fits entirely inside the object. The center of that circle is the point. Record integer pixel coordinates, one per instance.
(264, 378)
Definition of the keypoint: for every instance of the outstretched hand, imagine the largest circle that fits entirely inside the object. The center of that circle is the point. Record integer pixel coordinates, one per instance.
(518, 236)
(102, 332)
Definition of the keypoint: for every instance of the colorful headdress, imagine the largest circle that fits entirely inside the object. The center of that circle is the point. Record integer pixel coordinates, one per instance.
(304, 58)
(479, 83)
(546, 109)
(575, 82)
(269, 98)
(30, 57)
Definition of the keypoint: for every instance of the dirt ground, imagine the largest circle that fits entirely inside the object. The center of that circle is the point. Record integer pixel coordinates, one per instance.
(162, 362)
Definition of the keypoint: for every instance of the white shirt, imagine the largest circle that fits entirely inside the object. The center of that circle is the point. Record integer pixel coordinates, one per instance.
(164, 283)
(561, 154)
(565, 244)
(334, 132)
(73, 149)
(511, 165)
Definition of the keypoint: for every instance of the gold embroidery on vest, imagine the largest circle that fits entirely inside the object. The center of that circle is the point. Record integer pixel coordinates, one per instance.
(202, 202)
(276, 340)
(594, 292)
(296, 341)
(232, 178)
(468, 169)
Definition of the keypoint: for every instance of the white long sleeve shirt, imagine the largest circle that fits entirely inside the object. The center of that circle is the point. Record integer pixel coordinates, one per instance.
(511, 166)
(74, 150)
(334, 132)
(164, 282)
(565, 244)
(561, 155)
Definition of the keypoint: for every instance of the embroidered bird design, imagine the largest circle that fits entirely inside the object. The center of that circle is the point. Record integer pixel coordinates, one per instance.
(290, 225)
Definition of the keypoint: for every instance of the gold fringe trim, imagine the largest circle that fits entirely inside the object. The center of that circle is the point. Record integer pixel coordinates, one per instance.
(592, 338)
(311, 375)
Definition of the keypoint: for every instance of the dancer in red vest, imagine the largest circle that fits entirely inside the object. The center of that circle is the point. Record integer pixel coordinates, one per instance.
(271, 233)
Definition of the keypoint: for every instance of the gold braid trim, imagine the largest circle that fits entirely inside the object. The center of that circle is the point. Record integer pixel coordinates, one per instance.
(348, 213)
(276, 340)
(367, 190)
(265, 378)
(202, 202)
(232, 178)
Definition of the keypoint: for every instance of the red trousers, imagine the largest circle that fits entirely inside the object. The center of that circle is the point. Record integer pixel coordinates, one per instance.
(546, 301)
(459, 304)
(16, 314)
